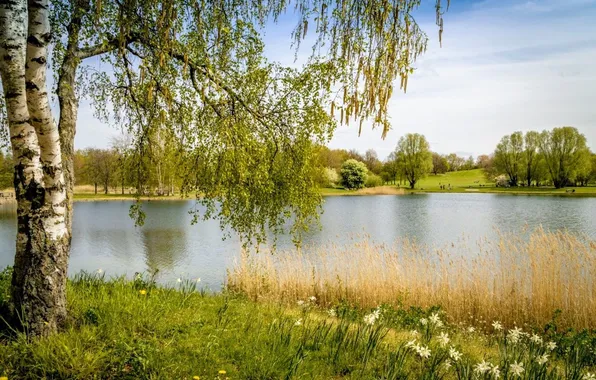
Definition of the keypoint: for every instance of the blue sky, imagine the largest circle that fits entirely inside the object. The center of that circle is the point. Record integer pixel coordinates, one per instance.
(505, 65)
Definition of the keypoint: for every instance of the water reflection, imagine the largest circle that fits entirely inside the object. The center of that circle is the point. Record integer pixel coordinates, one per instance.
(105, 237)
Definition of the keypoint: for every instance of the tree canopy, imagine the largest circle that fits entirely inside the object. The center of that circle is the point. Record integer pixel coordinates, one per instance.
(194, 73)
(413, 151)
(353, 174)
(247, 127)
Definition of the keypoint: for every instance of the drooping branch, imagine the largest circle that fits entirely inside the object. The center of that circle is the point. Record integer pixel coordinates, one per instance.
(109, 45)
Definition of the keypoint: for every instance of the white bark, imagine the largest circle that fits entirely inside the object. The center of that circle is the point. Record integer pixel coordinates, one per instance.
(13, 32)
(43, 240)
(41, 116)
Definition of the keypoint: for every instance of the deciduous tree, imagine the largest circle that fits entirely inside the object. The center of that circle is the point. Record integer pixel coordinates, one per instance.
(563, 149)
(440, 164)
(413, 151)
(248, 126)
(509, 156)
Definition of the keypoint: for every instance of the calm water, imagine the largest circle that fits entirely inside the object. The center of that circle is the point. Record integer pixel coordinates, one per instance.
(105, 237)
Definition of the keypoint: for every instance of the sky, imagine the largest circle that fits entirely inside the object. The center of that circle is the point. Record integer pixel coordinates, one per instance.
(505, 66)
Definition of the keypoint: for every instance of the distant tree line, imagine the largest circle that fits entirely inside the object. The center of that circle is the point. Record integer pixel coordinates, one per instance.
(411, 160)
(6, 171)
(559, 157)
(122, 169)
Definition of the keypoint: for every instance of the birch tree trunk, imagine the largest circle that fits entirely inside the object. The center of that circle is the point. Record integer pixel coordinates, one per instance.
(43, 239)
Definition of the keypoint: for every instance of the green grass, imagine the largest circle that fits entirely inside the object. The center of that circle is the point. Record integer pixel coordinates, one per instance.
(473, 181)
(458, 180)
(122, 329)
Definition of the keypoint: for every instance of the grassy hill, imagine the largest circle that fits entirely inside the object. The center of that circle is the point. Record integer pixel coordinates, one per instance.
(461, 179)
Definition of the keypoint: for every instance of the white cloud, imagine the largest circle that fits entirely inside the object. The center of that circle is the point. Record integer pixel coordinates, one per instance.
(505, 65)
(500, 70)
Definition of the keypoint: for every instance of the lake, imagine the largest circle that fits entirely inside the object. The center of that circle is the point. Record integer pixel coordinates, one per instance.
(104, 236)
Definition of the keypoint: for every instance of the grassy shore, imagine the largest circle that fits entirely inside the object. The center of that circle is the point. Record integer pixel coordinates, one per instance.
(465, 181)
(91, 197)
(122, 329)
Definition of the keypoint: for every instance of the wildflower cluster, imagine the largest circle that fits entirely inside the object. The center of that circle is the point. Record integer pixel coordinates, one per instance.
(422, 351)
(486, 368)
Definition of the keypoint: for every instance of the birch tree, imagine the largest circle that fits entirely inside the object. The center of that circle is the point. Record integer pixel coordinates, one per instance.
(247, 126)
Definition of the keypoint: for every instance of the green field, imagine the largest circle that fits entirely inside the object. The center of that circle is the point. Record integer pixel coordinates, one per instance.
(473, 181)
(458, 180)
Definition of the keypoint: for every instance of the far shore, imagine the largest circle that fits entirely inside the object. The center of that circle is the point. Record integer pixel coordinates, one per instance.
(393, 190)
(380, 190)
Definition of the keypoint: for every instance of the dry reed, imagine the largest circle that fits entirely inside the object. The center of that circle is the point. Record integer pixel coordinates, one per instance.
(514, 278)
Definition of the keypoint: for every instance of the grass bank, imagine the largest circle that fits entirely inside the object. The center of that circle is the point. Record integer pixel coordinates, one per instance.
(516, 278)
(465, 181)
(91, 197)
(122, 329)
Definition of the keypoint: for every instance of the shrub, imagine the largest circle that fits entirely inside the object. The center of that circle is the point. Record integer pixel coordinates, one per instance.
(353, 174)
(331, 177)
(373, 180)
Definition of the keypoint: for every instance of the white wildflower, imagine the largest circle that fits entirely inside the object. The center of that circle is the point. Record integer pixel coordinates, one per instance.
(377, 312)
(199, 279)
(542, 359)
(423, 321)
(536, 339)
(414, 333)
(482, 367)
(495, 372)
(471, 329)
(300, 302)
(434, 318)
(423, 351)
(551, 345)
(99, 271)
(517, 368)
(411, 343)
(439, 323)
(514, 335)
(497, 326)
(454, 354)
(331, 312)
(589, 376)
(447, 364)
(370, 319)
(443, 339)
(179, 280)
(312, 299)
(298, 322)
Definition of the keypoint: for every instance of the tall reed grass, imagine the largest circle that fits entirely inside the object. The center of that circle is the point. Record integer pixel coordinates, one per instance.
(515, 278)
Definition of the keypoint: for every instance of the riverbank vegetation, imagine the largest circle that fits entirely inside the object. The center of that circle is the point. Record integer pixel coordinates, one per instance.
(120, 329)
(530, 163)
(518, 279)
(553, 159)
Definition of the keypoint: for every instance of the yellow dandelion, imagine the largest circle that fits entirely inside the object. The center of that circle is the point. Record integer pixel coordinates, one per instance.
(221, 372)
(196, 378)
(3, 378)
(141, 292)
